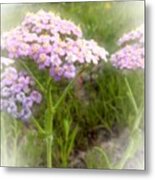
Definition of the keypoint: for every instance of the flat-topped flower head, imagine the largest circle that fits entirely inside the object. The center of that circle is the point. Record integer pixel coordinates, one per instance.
(18, 95)
(53, 43)
(131, 55)
(136, 35)
(48, 23)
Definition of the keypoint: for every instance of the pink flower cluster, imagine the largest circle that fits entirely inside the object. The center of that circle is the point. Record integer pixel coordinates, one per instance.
(53, 43)
(131, 55)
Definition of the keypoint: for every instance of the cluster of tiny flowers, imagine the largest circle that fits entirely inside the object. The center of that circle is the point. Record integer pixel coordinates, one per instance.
(17, 94)
(135, 35)
(131, 55)
(53, 43)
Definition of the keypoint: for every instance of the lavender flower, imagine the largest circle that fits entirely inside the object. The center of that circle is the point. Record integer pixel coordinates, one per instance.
(131, 55)
(25, 113)
(36, 96)
(20, 97)
(69, 71)
(10, 75)
(28, 101)
(135, 35)
(5, 92)
(15, 99)
(53, 43)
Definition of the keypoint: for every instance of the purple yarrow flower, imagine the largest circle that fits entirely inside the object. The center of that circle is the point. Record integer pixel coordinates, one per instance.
(10, 75)
(24, 80)
(59, 48)
(12, 108)
(23, 50)
(52, 43)
(25, 114)
(56, 72)
(18, 96)
(43, 61)
(135, 35)
(69, 71)
(16, 88)
(30, 37)
(5, 92)
(36, 96)
(35, 48)
(130, 57)
(21, 97)
(55, 60)
(28, 101)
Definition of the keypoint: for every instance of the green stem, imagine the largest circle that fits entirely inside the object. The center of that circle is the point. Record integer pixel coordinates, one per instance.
(64, 158)
(49, 125)
(35, 122)
(138, 120)
(131, 96)
(49, 147)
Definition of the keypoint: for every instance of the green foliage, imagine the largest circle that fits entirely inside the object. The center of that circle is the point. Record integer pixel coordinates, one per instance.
(66, 141)
(21, 146)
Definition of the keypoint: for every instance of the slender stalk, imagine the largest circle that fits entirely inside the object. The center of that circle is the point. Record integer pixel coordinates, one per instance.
(40, 129)
(64, 158)
(131, 96)
(49, 125)
(138, 111)
(49, 145)
(138, 120)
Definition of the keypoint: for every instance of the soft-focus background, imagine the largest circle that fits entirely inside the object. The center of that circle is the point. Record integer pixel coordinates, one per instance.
(100, 108)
